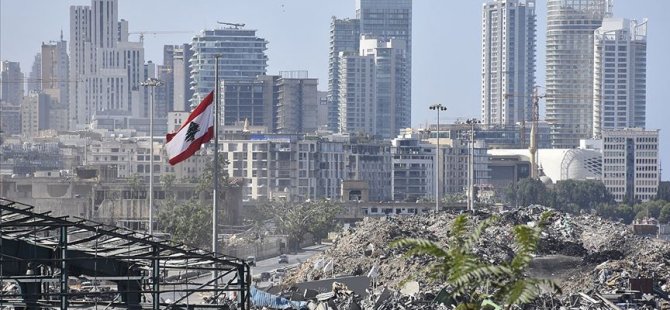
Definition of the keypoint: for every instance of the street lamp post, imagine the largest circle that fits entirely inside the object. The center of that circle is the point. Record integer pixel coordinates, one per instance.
(471, 164)
(153, 83)
(437, 107)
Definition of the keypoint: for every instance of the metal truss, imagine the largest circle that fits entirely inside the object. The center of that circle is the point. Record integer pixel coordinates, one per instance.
(41, 255)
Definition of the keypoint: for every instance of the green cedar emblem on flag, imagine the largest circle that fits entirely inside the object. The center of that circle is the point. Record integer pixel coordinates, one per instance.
(193, 128)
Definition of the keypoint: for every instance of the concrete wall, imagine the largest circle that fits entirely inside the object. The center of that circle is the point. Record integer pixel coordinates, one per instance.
(62, 197)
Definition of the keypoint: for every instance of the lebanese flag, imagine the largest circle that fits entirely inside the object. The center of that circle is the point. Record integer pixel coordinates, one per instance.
(196, 130)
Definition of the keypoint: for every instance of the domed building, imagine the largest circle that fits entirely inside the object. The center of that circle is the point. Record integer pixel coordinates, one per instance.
(561, 164)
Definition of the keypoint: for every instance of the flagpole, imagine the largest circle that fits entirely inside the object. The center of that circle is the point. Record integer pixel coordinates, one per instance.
(215, 193)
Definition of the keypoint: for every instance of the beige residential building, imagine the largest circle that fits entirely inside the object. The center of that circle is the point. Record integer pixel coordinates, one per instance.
(631, 164)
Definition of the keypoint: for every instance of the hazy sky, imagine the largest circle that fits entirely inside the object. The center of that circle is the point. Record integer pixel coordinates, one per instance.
(446, 38)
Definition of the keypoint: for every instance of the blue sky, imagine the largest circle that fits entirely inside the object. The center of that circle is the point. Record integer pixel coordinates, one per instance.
(446, 35)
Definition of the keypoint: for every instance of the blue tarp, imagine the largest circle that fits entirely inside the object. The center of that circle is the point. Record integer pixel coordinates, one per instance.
(264, 299)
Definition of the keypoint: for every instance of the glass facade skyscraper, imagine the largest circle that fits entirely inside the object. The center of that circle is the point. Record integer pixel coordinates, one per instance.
(385, 20)
(344, 37)
(569, 64)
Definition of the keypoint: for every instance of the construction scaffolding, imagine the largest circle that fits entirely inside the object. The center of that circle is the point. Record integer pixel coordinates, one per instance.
(55, 262)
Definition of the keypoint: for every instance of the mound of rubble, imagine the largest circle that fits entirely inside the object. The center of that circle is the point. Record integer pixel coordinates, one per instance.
(583, 253)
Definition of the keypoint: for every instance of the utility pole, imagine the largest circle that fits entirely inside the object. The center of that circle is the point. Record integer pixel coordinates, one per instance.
(437, 107)
(153, 83)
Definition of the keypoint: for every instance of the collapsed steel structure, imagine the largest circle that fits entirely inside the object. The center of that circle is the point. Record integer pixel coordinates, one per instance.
(42, 254)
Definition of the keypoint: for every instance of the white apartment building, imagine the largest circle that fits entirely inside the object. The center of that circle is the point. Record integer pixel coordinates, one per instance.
(301, 168)
(105, 68)
(192, 168)
(569, 62)
(41, 111)
(128, 157)
(373, 93)
(181, 90)
(273, 166)
(631, 166)
(331, 169)
(143, 159)
(370, 162)
(54, 70)
(392, 102)
(34, 113)
(115, 154)
(413, 169)
(620, 75)
(175, 120)
(508, 61)
(297, 104)
(357, 94)
(454, 159)
(242, 58)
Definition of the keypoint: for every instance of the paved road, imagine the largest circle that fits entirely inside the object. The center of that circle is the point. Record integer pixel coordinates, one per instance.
(266, 265)
(271, 264)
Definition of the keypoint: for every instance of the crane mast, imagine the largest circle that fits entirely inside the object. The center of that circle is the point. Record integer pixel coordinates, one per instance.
(142, 33)
(534, 123)
(532, 148)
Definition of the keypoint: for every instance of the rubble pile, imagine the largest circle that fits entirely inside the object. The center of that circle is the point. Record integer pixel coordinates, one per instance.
(356, 251)
(341, 297)
(582, 253)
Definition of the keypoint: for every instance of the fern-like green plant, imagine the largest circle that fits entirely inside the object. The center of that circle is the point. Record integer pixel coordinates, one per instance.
(467, 275)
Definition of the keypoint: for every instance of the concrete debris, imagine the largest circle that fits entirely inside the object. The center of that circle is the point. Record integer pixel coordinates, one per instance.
(410, 288)
(597, 262)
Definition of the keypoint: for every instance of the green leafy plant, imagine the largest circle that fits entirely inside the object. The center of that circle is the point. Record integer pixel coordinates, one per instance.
(297, 219)
(188, 222)
(472, 280)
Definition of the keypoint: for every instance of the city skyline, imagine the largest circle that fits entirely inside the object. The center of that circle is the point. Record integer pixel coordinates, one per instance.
(307, 47)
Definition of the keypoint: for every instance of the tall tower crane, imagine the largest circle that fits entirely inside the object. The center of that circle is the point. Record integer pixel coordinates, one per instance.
(142, 33)
(535, 117)
(232, 25)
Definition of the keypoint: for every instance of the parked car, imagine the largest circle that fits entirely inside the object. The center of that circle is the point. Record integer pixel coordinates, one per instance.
(251, 260)
(283, 259)
(265, 276)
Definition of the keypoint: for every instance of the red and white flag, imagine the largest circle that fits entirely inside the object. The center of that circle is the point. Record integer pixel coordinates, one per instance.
(196, 130)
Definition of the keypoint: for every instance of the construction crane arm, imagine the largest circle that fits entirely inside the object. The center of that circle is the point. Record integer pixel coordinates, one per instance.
(142, 33)
(235, 25)
(535, 117)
